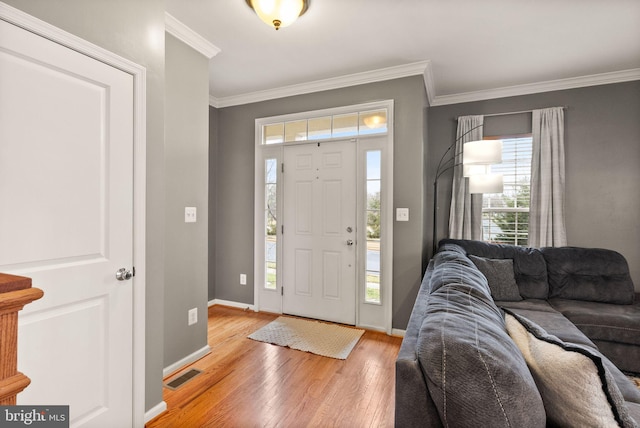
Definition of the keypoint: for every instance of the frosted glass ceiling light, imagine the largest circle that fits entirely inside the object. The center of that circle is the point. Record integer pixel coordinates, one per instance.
(278, 13)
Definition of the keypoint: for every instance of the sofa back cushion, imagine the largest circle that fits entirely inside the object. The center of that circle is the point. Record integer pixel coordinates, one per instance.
(529, 267)
(590, 274)
(474, 372)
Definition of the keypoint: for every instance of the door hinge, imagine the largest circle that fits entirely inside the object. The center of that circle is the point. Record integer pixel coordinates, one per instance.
(282, 229)
(282, 291)
(282, 167)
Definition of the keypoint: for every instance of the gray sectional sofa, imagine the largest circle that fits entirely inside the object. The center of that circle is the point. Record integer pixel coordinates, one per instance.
(508, 336)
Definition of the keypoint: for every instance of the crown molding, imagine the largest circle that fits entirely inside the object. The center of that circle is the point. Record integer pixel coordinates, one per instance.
(190, 37)
(424, 68)
(429, 82)
(389, 73)
(534, 88)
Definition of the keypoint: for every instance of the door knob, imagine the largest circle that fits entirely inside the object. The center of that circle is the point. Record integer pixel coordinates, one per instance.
(122, 274)
(350, 242)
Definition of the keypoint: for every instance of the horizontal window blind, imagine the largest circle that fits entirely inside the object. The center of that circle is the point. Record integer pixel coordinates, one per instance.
(505, 216)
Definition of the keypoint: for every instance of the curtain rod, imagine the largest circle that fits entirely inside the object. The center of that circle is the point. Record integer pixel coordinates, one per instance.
(510, 112)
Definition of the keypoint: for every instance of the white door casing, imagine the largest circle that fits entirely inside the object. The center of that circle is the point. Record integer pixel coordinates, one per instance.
(66, 164)
(266, 297)
(319, 239)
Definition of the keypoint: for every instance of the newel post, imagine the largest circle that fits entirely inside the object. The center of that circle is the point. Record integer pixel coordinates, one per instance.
(15, 292)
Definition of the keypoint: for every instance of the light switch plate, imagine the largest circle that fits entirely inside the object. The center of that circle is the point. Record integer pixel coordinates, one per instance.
(402, 214)
(193, 316)
(189, 214)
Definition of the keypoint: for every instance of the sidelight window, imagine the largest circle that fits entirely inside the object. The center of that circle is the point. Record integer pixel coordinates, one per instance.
(271, 223)
(373, 215)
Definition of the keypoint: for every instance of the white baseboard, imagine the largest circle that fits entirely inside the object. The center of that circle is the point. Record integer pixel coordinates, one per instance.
(232, 304)
(186, 361)
(156, 410)
(398, 332)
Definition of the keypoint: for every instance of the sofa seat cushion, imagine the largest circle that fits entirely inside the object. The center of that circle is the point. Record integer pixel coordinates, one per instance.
(603, 321)
(474, 373)
(529, 267)
(576, 388)
(555, 323)
(626, 357)
(590, 274)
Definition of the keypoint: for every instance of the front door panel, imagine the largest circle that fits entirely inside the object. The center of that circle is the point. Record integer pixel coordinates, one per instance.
(319, 231)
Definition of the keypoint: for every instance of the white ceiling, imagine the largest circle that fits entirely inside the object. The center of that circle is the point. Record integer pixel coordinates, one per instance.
(467, 49)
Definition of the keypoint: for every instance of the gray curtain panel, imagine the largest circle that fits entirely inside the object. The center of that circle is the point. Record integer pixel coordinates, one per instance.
(465, 216)
(546, 212)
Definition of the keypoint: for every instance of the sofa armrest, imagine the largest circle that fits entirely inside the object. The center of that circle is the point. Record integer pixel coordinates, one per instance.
(414, 406)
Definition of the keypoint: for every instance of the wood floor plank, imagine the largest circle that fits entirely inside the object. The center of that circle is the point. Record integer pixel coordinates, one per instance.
(246, 383)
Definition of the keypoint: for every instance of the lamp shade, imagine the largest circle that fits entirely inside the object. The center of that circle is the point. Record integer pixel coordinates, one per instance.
(486, 183)
(475, 169)
(278, 13)
(483, 152)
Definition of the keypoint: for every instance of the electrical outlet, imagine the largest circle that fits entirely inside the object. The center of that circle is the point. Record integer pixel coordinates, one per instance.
(189, 214)
(243, 279)
(193, 316)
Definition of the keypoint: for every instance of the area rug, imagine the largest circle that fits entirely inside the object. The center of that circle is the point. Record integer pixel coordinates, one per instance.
(328, 340)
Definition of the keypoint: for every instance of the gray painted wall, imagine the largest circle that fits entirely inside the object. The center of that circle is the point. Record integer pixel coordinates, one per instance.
(187, 179)
(233, 174)
(602, 154)
(213, 184)
(125, 27)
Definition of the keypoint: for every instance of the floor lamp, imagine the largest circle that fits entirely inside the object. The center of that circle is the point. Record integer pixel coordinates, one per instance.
(477, 159)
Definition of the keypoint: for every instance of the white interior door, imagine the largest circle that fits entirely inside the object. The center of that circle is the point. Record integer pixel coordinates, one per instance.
(66, 212)
(319, 239)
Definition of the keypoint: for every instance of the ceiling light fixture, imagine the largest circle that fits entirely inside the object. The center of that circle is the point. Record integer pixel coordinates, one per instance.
(278, 13)
(375, 121)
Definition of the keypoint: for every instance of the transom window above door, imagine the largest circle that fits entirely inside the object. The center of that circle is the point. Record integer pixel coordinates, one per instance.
(326, 127)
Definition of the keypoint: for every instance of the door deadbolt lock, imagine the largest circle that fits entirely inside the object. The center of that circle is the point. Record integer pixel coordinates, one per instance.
(349, 229)
(123, 275)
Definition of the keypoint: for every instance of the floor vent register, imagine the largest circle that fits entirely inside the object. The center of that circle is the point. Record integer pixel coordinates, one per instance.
(182, 378)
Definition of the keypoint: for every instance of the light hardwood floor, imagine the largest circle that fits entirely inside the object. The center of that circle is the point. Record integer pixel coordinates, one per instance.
(253, 384)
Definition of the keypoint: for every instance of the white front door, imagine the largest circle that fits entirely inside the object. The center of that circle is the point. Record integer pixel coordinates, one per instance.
(319, 278)
(66, 221)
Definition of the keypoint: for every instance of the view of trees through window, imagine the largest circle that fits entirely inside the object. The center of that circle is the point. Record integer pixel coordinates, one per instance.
(271, 222)
(505, 216)
(373, 183)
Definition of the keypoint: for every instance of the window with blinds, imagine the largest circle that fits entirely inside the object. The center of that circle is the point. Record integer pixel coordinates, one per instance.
(505, 216)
